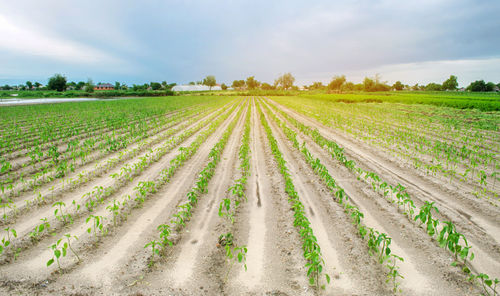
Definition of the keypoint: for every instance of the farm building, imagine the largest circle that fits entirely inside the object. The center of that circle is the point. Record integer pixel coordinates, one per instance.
(104, 86)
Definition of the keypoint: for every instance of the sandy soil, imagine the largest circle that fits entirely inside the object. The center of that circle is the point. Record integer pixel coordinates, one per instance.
(117, 264)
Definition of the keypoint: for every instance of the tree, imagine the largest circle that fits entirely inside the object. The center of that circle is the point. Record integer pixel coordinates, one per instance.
(398, 85)
(490, 86)
(336, 83)
(450, 83)
(89, 86)
(29, 85)
(37, 84)
(478, 85)
(117, 85)
(266, 86)
(223, 86)
(238, 83)
(252, 83)
(434, 87)
(316, 85)
(209, 81)
(368, 84)
(285, 81)
(80, 85)
(349, 86)
(6, 87)
(191, 83)
(155, 85)
(57, 82)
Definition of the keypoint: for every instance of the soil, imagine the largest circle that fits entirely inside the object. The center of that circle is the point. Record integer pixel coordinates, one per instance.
(118, 263)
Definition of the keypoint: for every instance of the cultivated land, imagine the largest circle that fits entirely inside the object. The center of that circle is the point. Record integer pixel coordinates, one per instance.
(180, 195)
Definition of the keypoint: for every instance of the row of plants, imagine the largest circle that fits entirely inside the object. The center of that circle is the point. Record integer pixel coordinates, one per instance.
(64, 121)
(185, 209)
(59, 163)
(103, 167)
(471, 160)
(99, 194)
(378, 243)
(229, 205)
(100, 224)
(310, 247)
(445, 233)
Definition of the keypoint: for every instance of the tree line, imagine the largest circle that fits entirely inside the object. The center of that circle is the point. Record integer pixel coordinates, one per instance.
(286, 81)
(59, 82)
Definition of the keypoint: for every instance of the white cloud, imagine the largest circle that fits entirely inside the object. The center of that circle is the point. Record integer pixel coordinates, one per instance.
(26, 40)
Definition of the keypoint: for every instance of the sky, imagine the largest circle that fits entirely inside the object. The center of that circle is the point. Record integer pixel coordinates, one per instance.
(183, 40)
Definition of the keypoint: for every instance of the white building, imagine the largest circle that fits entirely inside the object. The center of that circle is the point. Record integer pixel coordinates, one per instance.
(197, 87)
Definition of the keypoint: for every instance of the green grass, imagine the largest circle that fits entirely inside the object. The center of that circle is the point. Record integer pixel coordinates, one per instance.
(460, 100)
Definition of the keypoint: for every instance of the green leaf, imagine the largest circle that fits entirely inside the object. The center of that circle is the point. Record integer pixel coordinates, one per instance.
(50, 262)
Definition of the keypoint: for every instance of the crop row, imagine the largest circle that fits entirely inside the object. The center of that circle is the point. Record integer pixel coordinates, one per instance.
(85, 176)
(184, 210)
(378, 243)
(446, 235)
(465, 161)
(310, 246)
(99, 225)
(59, 163)
(228, 206)
(99, 194)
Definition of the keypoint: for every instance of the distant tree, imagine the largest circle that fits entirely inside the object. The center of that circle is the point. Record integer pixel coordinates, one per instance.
(37, 84)
(79, 85)
(6, 87)
(316, 85)
(89, 86)
(117, 85)
(374, 84)
(199, 82)
(368, 84)
(434, 87)
(155, 85)
(21, 87)
(29, 85)
(336, 83)
(285, 81)
(191, 83)
(490, 86)
(238, 83)
(450, 83)
(478, 85)
(349, 86)
(57, 82)
(209, 81)
(266, 86)
(252, 83)
(398, 85)
(223, 86)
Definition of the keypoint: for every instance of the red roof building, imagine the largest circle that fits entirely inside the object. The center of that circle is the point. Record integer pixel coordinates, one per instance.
(104, 86)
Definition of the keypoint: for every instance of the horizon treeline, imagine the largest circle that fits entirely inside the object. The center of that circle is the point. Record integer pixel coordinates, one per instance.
(286, 81)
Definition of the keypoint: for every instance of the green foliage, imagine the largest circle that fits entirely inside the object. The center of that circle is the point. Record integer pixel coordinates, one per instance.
(57, 82)
(450, 83)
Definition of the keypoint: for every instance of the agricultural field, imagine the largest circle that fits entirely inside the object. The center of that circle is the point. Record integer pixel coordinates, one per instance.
(227, 195)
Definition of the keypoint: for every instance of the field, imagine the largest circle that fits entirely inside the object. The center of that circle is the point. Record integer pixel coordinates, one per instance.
(276, 195)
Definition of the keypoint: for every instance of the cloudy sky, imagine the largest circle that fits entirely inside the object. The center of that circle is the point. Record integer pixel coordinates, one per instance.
(182, 40)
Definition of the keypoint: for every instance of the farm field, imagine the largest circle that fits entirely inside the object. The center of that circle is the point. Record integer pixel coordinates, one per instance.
(220, 195)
